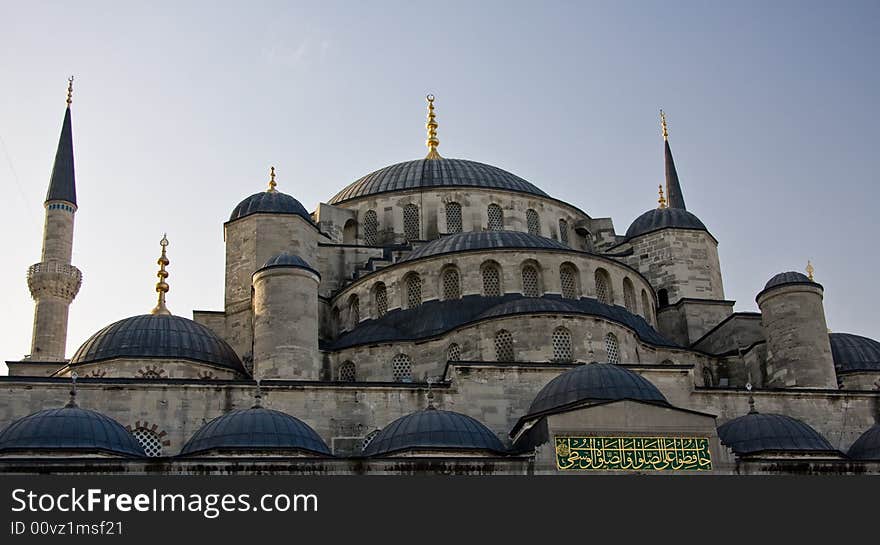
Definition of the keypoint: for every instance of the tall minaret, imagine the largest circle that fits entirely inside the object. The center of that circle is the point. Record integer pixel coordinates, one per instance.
(54, 282)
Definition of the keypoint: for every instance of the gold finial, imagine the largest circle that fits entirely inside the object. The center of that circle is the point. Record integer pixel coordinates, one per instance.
(432, 142)
(662, 200)
(663, 125)
(69, 91)
(810, 270)
(162, 286)
(272, 183)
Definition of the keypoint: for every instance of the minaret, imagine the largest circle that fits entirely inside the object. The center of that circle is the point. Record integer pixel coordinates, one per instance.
(54, 282)
(674, 197)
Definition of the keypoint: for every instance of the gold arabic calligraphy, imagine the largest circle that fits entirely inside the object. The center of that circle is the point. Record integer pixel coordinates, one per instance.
(633, 453)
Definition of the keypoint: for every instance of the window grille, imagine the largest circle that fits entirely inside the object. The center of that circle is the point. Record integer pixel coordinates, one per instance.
(533, 222)
(401, 368)
(413, 291)
(568, 281)
(451, 285)
(347, 372)
(496, 218)
(453, 353)
(503, 346)
(491, 281)
(612, 349)
(453, 218)
(150, 441)
(411, 229)
(530, 281)
(602, 293)
(563, 232)
(381, 299)
(371, 228)
(561, 344)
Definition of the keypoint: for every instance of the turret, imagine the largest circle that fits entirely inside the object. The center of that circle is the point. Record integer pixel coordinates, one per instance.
(54, 282)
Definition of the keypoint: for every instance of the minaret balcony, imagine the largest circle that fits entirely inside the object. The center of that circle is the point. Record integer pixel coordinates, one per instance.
(54, 278)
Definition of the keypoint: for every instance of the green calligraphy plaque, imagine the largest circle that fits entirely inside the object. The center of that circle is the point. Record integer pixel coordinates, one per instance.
(633, 453)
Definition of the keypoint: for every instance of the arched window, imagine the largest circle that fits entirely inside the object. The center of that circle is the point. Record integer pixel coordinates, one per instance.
(347, 372)
(530, 281)
(149, 440)
(413, 290)
(349, 232)
(371, 228)
(451, 284)
(568, 281)
(401, 368)
(612, 348)
(491, 280)
(453, 217)
(453, 353)
(563, 232)
(503, 345)
(354, 311)
(533, 222)
(663, 298)
(646, 306)
(629, 295)
(603, 291)
(496, 218)
(561, 344)
(411, 229)
(381, 295)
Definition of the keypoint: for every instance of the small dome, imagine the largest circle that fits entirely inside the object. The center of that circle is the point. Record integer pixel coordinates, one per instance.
(269, 202)
(756, 432)
(289, 260)
(423, 173)
(158, 336)
(484, 240)
(664, 218)
(69, 428)
(867, 446)
(595, 382)
(256, 428)
(432, 429)
(790, 277)
(853, 353)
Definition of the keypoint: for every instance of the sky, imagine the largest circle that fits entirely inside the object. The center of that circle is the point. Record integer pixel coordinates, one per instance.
(180, 108)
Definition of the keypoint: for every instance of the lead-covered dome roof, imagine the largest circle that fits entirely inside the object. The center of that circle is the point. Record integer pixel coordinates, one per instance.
(790, 277)
(757, 432)
(484, 240)
(854, 353)
(433, 429)
(867, 446)
(256, 428)
(269, 202)
(69, 428)
(595, 382)
(158, 336)
(285, 259)
(425, 173)
(664, 218)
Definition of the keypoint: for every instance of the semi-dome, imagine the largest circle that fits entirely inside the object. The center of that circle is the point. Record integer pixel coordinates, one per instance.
(285, 259)
(790, 277)
(425, 173)
(484, 240)
(664, 218)
(867, 446)
(158, 336)
(595, 382)
(256, 429)
(269, 202)
(433, 429)
(757, 432)
(69, 428)
(854, 353)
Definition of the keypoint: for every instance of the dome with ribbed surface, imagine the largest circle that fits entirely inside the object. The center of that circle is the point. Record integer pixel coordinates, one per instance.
(256, 429)
(288, 260)
(158, 336)
(790, 277)
(664, 218)
(854, 353)
(424, 173)
(757, 432)
(433, 429)
(484, 240)
(269, 202)
(595, 382)
(867, 446)
(68, 429)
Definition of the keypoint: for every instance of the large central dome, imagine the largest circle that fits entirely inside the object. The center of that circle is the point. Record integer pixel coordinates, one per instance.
(424, 173)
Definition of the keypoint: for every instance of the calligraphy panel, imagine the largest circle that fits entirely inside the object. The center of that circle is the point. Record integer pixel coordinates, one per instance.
(633, 453)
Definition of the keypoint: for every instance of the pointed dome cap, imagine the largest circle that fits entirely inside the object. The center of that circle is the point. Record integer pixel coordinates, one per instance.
(854, 353)
(595, 382)
(256, 429)
(433, 429)
(69, 428)
(285, 259)
(664, 218)
(867, 446)
(757, 432)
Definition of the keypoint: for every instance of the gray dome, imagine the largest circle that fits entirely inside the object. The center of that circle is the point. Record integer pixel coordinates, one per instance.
(69, 428)
(423, 173)
(289, 260)
(269, 202)
(853, 353)
(756, 432)
(158, 336)
(664, 218)
(595, 382)
(484, 240)
(790, 277)
(433, 429)
(867, 446)
(256, 428)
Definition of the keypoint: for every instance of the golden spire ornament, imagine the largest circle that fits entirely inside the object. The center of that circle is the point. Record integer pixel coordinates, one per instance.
(69, 91)
(663, 125)
(272, 183)
(810, 270)
(162, 286)
(662, 200)
(432, 142)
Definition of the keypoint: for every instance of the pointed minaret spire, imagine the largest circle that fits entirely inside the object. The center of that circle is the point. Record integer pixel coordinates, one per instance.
(162, 286)
(432, 142)
(62, 185)
(674, 197)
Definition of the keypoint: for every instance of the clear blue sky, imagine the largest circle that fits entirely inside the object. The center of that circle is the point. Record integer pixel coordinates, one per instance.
(180, 108)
